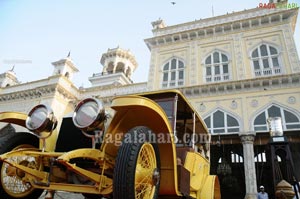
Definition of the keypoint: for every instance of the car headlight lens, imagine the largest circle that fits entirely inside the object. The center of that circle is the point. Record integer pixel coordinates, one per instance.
(41, 119)
(89, 114)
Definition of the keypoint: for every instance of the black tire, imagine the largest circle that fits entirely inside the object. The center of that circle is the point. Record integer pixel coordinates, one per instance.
(17, 140)
(92, 196)
(136, 142)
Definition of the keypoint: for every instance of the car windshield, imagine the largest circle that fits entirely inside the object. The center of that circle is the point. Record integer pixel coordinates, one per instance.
(183, 119)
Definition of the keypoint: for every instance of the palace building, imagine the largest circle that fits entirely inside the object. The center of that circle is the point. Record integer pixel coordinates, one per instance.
(237, 70)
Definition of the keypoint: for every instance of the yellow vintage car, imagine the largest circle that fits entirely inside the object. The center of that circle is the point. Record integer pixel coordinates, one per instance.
(148, 146)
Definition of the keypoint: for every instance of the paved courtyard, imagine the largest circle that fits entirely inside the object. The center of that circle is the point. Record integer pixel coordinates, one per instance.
(64, 195)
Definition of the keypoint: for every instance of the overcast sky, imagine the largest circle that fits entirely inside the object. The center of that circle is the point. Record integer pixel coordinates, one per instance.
(37, 33)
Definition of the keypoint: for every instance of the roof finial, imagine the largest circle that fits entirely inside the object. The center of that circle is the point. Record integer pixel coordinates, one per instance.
(12, 69)
(69, 54)
(212, 9)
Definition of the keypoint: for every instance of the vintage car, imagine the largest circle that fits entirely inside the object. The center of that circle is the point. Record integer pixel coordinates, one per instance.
(150, 145)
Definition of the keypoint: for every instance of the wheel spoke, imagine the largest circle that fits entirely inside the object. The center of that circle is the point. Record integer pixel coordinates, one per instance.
(146, 192)
(146, 165)
(142, 167)
(13, 184)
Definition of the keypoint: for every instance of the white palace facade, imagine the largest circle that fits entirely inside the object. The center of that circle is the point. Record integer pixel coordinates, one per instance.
(236, 69)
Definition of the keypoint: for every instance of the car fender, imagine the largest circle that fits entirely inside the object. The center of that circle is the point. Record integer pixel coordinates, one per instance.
(132, 111)
(13, 118)
(211, 188)
(19, 118)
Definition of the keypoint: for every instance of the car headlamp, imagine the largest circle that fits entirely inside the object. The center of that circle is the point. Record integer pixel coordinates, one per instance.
(89, 115)
(41, 119)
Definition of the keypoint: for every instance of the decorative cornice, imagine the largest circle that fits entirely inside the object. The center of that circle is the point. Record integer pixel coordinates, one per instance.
(65, 93)
(216, 26)
(247, 85)
(113, 91)
(218, 20)
(28, 94)
(38, 92)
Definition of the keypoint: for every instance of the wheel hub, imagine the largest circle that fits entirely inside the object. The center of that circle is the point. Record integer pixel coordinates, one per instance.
(155, 177)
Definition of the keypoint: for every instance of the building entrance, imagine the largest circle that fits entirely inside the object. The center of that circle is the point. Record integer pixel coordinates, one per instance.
(227, 161)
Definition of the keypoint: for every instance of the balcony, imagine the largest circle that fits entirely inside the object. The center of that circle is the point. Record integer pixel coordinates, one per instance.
(217, 78)
(268, 72)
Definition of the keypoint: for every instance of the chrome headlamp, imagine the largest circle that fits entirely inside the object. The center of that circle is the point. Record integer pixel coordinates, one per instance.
(89, 115)
(41, 119)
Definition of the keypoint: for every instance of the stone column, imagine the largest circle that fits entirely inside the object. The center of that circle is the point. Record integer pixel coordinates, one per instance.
(249, 164)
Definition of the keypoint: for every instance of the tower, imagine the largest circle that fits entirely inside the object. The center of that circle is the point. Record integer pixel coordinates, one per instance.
(118, 66)
(8, 78)
(65, 67)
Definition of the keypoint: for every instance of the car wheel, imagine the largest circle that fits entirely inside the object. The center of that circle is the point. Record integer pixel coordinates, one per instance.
(12, 186)
(137, 167)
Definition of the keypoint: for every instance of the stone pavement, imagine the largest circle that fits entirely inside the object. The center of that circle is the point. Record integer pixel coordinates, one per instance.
(64, 195)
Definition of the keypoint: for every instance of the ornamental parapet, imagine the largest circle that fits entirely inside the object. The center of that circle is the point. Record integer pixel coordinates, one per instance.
(217, 26)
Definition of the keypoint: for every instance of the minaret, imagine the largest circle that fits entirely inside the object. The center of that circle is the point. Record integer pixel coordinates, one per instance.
(65, 67)
(118, 66)
(8, 78)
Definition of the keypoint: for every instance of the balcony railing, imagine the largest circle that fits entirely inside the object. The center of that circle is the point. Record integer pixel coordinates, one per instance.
(109, 73)
(217, 78)
(179, 83)
(267, 71)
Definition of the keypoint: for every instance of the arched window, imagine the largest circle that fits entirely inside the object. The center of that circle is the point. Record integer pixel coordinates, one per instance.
(216, 67)
(289, 119)
(265, 60)
(222, 122)
(261, 157)
(110, 68)
(236, 158)
(67, 75)
(120, 67)
(128, 72)
(173, 73)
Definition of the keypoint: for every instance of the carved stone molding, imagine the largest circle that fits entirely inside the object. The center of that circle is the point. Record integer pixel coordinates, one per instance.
(247, 138)
(202, 107)
(65, 93)
(233, 104)
(259, 84)
(254, 103)
(291, 100)
(28, 94)
(39, 92)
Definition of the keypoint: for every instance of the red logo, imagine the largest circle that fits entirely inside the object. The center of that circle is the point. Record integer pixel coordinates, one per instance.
(276, 5)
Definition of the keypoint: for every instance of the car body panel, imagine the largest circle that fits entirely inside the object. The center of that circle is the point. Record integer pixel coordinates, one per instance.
(144, 109)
